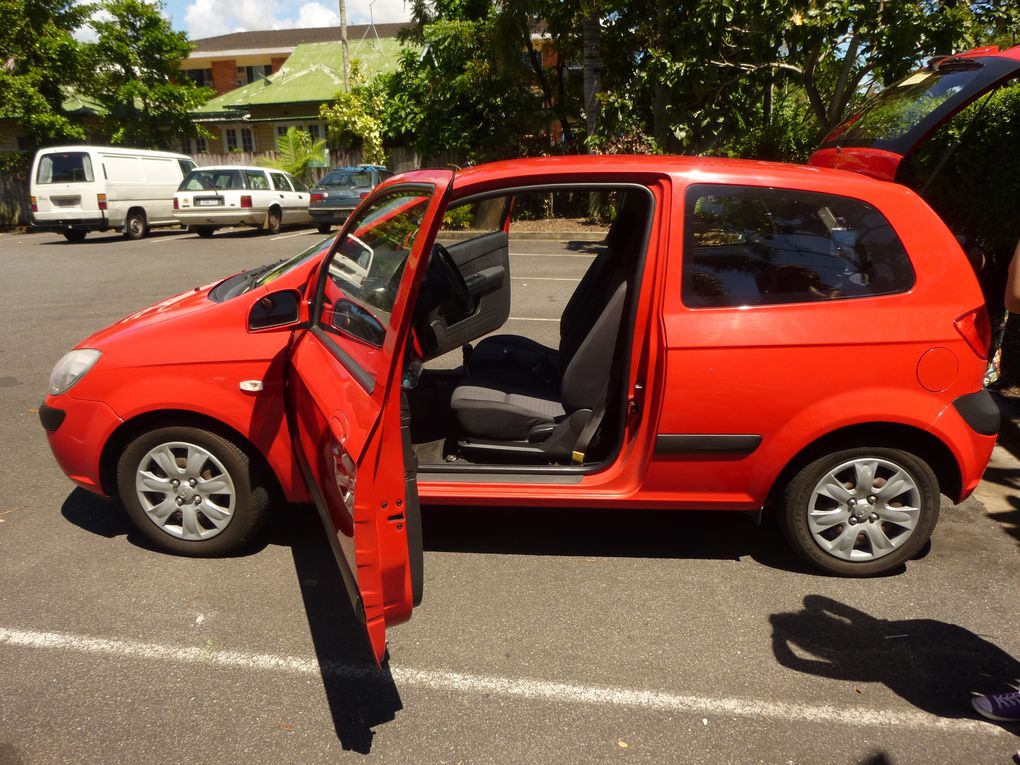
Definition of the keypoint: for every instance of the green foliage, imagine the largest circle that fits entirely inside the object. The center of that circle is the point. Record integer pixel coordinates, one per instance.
(977, 191)
(136, 75)
(355, 116)
(457, 92)
(296, 153)
(39, 61)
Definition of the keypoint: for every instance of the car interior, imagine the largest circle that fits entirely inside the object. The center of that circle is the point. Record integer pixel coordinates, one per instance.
(488, 387)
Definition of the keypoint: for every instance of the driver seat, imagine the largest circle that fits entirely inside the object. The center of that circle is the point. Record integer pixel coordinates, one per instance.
(517, 407)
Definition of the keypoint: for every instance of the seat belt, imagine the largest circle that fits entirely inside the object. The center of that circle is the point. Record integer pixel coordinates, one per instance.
(588, 431)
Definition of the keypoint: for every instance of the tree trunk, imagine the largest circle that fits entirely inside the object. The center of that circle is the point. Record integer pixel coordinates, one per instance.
(591, 31)
(660, 129)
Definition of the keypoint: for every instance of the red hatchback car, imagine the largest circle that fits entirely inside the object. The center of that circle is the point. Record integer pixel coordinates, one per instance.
(751, 335)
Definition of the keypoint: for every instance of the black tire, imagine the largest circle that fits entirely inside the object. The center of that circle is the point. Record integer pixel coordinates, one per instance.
(798, 499)
(203, 231)
(324, 228)
(135, 225)
(250, 492)
(75, 235)
(274, 219)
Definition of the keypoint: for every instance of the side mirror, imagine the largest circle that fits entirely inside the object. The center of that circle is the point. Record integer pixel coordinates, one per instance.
(277, 309)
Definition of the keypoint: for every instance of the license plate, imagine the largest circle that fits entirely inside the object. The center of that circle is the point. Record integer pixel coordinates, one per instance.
(66, 201)
(207, 202)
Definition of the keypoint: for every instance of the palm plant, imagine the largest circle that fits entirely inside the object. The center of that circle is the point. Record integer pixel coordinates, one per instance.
(296, 153)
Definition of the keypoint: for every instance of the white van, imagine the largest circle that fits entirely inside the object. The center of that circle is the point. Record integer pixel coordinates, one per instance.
(77, 189)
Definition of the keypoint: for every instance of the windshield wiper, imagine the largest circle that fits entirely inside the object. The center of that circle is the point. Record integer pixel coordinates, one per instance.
(255, 274)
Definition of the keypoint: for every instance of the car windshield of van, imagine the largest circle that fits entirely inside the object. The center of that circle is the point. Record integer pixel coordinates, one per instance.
(212, 180)
(346, 180)
(69, 167)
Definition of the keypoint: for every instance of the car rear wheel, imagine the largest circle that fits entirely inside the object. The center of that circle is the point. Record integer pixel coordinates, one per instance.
(74, 235)
(203, 231)
(324, 228)
(191, 492)
(135, 225)
(273, 221)
(861, 512)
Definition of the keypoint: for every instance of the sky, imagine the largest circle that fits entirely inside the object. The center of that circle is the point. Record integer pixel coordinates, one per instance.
(206, 18)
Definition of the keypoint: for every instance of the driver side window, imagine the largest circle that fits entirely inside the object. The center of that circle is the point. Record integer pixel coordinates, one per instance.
(365, 268)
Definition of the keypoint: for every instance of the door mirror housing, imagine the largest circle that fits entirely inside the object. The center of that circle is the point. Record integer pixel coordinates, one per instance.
(275, 310)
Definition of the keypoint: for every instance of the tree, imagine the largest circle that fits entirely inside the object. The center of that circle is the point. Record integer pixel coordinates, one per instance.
(453, 93)
(40, 62)
(297, 153)
(136, 61)
(356, 116)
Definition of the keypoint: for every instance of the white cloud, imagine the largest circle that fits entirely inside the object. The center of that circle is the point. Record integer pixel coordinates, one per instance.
(207, 18)
(87, 34)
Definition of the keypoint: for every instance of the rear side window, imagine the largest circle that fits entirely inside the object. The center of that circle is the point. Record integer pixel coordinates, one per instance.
(280, 182)
(70, 167)
(256, 180)
(760, 246)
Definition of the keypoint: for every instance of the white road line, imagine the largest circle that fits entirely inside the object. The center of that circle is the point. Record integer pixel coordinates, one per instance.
(523, 688)
(551, 255)
(543, 279)
(290, 236)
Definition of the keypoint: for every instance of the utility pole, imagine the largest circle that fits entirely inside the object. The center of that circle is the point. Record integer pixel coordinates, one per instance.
(343, 45)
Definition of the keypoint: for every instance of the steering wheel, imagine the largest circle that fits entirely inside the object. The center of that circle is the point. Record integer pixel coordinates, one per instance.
(446, 269)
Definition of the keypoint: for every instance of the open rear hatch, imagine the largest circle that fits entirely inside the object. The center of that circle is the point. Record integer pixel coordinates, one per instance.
(893, 124)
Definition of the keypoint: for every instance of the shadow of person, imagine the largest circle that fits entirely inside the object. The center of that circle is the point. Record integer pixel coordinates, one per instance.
(360, 694)
(933, 665)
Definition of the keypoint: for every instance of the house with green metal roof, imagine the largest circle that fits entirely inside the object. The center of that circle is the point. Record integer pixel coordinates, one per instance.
(249, 118)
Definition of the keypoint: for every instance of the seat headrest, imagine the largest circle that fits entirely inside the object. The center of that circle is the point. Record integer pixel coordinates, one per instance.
(629, 224)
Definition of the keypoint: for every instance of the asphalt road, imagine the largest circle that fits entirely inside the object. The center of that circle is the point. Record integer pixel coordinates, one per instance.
(545, 636)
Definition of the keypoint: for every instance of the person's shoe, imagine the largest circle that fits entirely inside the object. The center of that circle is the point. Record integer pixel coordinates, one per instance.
(1004, 707)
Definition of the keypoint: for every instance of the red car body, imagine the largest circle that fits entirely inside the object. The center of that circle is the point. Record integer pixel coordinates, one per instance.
(903, 369)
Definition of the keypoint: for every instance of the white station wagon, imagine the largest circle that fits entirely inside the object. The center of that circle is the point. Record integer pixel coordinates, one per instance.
(234, 195)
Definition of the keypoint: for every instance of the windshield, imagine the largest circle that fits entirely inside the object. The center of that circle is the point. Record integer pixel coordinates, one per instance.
(346, 180)
(283, 267)
(367, 263)
(69, 167)
(212, 179)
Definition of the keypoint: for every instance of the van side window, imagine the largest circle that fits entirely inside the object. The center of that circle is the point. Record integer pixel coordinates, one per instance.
(256, 180)
(745, 245)
(69, 167)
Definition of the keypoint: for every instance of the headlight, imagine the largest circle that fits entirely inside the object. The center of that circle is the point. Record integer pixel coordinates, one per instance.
(71, 368)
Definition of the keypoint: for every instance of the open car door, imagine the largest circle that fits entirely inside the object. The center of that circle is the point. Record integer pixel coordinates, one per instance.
(890, 126)
(348, 416)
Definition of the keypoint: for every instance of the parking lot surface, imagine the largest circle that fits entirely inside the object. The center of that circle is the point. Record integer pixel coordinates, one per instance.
(544, 636)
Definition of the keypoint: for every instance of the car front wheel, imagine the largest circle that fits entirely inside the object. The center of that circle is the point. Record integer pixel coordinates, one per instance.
(862, 511)
(191, 492)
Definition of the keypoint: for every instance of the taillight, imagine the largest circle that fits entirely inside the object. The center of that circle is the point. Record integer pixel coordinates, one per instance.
(317, 196)
(246, 201)
(365, 194)
(101, 201)
(177, 204)
(976, 329)
(35, 204)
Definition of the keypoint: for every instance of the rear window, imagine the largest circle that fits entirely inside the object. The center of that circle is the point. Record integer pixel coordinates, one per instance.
(69, 167)
(212, 180)
(346, 180)
(758, 246)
